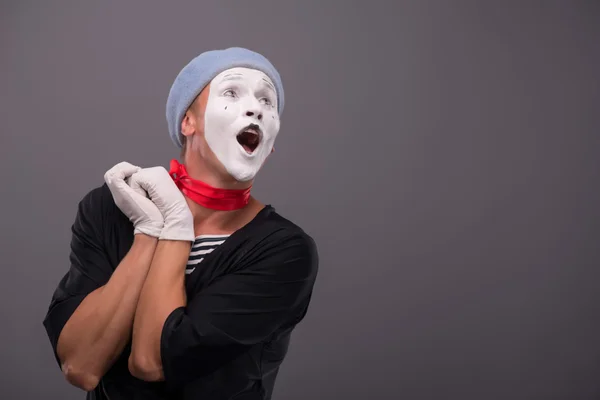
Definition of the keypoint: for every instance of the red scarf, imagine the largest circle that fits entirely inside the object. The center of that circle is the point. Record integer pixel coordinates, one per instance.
(206, 195)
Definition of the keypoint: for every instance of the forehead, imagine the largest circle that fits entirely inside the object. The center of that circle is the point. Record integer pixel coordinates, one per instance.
(243, 73)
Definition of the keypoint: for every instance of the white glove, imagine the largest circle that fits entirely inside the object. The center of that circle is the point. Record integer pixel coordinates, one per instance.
(179, 222)
(140, 210)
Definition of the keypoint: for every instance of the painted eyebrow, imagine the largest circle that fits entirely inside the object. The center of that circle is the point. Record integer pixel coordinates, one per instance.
(238, 76)
(231, 77)
(269, 84)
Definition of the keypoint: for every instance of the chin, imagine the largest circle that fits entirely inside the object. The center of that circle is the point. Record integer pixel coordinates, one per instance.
(245, 177)
(242, 173)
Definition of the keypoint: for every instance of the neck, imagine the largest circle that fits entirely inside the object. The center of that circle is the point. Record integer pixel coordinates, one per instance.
(209, 220)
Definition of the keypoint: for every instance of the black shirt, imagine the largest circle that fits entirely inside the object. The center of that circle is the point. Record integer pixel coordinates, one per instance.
(244, 300)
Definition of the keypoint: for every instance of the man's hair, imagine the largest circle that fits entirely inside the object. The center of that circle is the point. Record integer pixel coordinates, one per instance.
(183, 145)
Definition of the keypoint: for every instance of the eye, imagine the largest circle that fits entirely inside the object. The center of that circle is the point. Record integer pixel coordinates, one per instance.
(265, 101)
(229, 93)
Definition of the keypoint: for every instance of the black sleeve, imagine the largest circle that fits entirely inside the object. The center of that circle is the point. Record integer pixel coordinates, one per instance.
(239, 310)
(90, 268)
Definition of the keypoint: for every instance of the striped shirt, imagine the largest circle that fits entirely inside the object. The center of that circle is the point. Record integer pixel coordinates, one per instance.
(203, 245)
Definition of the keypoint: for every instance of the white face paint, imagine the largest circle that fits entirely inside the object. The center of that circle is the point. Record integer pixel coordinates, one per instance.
(239, 98)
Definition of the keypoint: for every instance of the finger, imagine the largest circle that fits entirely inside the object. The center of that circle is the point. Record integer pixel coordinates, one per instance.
(120, 171)
(148, 178)
(134, 183)
(125, 170)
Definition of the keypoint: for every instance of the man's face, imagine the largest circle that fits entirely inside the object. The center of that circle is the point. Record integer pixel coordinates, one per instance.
(241, 120)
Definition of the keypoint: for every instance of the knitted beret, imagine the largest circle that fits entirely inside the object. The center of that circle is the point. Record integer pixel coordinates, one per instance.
(201, 70)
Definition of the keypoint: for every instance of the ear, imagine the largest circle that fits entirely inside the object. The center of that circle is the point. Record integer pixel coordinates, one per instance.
(188, 124)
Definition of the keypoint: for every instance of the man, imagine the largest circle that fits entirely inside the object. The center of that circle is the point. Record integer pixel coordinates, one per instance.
(182, 285)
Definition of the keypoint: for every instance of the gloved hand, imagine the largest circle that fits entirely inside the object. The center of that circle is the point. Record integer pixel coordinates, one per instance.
(140, 210)
(179, 222)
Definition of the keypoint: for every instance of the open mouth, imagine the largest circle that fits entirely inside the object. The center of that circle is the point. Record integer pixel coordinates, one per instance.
(249, 138)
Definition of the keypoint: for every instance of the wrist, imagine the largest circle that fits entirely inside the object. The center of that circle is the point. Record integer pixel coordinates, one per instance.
(144, 240)
(151, 229)
(143, 245)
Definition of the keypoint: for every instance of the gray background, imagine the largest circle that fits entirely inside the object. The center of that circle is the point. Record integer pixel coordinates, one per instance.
(443, 155)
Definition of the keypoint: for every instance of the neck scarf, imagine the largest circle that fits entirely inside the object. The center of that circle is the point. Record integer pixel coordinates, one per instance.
(206, 195)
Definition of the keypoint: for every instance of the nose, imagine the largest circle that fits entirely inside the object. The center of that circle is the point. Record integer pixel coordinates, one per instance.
(254, 111)
(257, 115)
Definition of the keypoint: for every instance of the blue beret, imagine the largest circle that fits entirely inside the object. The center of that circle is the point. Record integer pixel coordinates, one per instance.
(201, 70)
